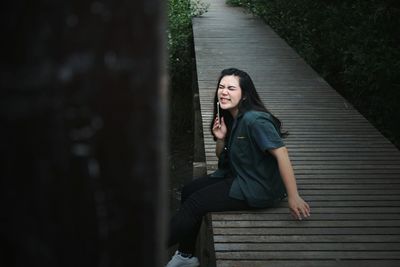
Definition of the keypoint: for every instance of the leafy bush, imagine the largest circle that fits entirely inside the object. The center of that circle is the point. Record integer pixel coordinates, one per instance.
(353, 44)
(198, 7)
(180, 64)
(180, 61)
(180, 40)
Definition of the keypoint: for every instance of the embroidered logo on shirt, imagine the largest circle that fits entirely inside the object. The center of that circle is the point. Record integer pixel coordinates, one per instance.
(241, 137)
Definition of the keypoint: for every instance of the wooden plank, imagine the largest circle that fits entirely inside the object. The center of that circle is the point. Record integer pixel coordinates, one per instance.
(353, 197)
(351, 186)
(307, 246)
(308, 263)
(310, 255)
(380, 168)
(350, 203)
(350, 180)
(325, 153)
(257, 216)
(308, 231)
(348, 176)
(306, 223)
(345, 192)
(343, 210)
(308, 238)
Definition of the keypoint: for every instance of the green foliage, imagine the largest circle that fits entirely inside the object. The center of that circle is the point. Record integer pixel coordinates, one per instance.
(353, 44)
(180, 61)
(198, 7)
(179, 35)
(180, 42)
(236, 2)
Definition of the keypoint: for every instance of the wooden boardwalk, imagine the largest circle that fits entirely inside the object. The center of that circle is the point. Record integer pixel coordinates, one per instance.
(346, 170)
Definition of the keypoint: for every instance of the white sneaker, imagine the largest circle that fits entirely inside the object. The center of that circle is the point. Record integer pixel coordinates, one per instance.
(179, 261)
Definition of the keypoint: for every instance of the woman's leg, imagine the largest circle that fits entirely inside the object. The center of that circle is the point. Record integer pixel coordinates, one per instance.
(197, 184)
(185, 224)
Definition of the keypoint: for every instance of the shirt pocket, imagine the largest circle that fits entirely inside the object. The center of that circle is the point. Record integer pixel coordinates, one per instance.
(242, 144)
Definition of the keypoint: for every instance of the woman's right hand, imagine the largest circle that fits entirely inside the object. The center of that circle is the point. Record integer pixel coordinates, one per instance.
(219, 129)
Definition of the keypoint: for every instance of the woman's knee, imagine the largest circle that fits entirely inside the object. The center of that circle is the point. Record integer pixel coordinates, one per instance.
(194, 206)
(193, 186)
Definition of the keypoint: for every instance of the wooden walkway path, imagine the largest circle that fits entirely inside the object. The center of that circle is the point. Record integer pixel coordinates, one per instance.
(346, 170)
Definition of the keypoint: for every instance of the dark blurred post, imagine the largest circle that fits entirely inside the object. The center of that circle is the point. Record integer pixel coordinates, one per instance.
(83, 133)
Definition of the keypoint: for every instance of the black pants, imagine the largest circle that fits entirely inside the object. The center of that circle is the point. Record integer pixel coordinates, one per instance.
(200, 196)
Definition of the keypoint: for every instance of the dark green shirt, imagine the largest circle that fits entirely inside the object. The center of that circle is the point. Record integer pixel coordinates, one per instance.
(256, 174)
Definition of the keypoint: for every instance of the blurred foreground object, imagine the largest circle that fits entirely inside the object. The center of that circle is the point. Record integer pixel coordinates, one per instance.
(83, 133)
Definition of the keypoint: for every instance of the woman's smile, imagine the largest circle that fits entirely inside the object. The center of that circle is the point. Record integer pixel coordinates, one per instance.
(224, 100)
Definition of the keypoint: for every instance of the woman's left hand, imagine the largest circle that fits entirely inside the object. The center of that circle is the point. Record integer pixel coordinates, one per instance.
(298, 207)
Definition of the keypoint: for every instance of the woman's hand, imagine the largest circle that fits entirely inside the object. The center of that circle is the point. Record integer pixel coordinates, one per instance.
(298, 207)
(219, 129)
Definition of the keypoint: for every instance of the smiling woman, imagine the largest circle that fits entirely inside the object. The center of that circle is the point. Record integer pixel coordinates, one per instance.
(254, 170)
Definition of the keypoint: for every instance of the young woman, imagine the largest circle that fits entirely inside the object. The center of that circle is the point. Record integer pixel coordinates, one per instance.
(254, 170)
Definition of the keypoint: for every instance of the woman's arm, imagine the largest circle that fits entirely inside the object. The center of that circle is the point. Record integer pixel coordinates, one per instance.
(219, 131)
(219, 146)
(298, 207)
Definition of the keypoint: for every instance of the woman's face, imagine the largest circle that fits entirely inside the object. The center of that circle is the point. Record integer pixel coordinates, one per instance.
(229, 94)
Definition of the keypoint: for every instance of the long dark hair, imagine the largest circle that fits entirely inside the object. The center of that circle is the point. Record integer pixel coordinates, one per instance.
(250, 100)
